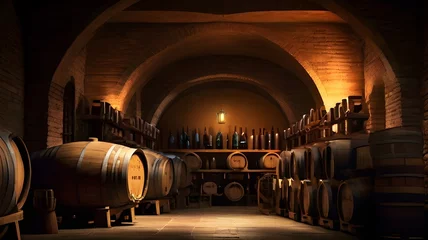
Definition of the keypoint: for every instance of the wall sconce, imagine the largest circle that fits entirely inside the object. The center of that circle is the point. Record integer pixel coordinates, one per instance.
(221, 117)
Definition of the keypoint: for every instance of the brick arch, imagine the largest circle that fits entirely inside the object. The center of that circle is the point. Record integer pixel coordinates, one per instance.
(198, 41)
(285, 107)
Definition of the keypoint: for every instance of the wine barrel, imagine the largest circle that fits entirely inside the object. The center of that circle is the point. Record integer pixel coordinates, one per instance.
(285, 193)
(237, 161)
(314, 168)
(308, 198)
(192, 160)
(209, 188)
(161, 174)
(234, 191)
(399, 189)
(327, 199)
(181, 174)
(15, 172)
(91, 174)
(293, 199)
(340, 156)
(269, 161)
(298, 160)
(354, 200)
(283, 166)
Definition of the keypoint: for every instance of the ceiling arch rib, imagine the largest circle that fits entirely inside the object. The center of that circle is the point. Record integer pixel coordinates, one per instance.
(289, 88)
(288, 113)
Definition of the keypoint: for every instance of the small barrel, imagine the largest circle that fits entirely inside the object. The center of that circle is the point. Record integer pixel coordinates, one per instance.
(44, 200)
(101, 174)
(44, 203)
(399, 189)
(297, 163)
(283, 166)
(269, 161)
(15, 172)
(293, 198)
(354, 200)
(308, 198)
(237, 161)
(209, 188)
(314, 168)
(234, 191)
(181, 174)
(161, 174)
(193, 161)
(327, 199)
(340, 156)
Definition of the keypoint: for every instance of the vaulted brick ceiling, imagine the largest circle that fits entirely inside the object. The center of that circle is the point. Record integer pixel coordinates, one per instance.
(324, 58)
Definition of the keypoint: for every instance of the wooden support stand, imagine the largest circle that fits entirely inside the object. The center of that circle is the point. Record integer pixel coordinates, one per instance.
(128, 215)
(294, 216)
(310, 220)
(11, 226)
(102, 217)
(160, 206)
(329, 224)
(350, 228)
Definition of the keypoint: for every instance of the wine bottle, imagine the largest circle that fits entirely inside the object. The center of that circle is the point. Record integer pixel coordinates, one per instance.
(272, 138)
(213, 164)
(210, 145)
(246, 138)
(257, 140)
(171, 140)
(262, 140)
(251, 140)
(180, 140)
(186, 138)
(242, 139)
(219, 140)
(197, 144)
(277, 139)
(235, 140)
(206, 140)
(183, 139)
(227, 141)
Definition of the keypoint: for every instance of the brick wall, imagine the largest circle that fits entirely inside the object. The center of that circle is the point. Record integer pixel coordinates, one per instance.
(55, 110)
(374, 75)
(11, 70)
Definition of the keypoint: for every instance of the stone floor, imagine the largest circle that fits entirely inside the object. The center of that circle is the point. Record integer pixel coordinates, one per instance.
(205, 223)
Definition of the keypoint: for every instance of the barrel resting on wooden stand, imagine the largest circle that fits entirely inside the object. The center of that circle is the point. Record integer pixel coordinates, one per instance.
(327, 204)
(9, 226)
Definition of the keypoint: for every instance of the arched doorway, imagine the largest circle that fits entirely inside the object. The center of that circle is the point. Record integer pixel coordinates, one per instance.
(69, 114)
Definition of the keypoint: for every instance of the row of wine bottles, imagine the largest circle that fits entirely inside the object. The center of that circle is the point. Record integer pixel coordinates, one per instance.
(239, 140)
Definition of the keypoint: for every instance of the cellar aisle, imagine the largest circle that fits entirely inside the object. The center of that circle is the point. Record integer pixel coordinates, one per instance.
(204, 223)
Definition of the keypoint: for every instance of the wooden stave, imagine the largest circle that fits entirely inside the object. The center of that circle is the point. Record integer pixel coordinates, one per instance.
(9, 196)
(190, 166)
(308, 187)
(227, 194)
(262, 160)
(343, 159)
(229, 159)
(283, 168)
(397, 158)
(331, 187)
(111, 186)
(297, 163)
(362, 191)
(315, 166)
(158, 163)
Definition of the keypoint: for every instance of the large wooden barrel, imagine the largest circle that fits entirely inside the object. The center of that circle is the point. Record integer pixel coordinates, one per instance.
(161, 174)
(283, 166)
(299, 158)
(354, 200)
(314, 168)
(269, 161)
(308, 198)
(293, 205)
(327, 199)
(340, 156)
(15, 173)
(192, 160)
(234, 191)
(209, 188)
(399, 189)
(237, 161)
(181, 174)
(91, 174)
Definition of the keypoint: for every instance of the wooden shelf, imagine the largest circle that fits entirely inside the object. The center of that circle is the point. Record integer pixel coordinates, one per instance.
(234, 171)
(218, 151)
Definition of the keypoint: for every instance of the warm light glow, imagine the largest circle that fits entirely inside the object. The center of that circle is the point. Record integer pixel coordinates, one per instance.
(221, 119)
